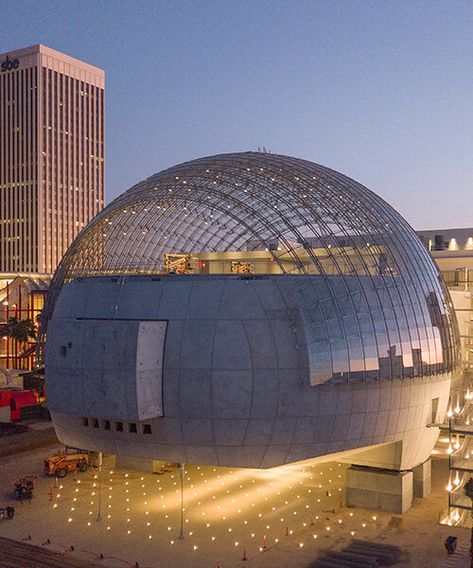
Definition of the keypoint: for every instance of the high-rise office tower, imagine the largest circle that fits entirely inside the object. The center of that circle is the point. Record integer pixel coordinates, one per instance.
(51, 155)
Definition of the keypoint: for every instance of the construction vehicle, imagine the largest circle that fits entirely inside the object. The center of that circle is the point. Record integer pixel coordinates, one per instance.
(24, 487)
(60, 465)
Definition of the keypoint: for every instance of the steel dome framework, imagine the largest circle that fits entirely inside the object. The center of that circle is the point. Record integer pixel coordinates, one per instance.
(371, 289)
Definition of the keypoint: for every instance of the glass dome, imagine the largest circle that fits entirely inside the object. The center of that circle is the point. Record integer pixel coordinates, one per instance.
(370, 296)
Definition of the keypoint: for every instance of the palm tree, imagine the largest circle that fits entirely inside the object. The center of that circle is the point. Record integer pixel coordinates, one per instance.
(21, 331)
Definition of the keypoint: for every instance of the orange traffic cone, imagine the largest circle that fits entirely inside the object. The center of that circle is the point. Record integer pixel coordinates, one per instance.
(244, 554)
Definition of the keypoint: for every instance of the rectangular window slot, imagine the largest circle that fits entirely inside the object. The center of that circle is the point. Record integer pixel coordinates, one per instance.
(146, 428)
(118, 426)
(96, 423)
(106, 424)
(63, 350)
(435, 406)
(85, 421)
(132, 428)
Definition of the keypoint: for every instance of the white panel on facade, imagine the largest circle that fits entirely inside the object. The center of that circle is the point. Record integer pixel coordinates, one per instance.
(109, 369)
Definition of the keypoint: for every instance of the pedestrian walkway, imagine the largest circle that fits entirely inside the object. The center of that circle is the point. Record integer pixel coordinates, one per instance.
(461, 558)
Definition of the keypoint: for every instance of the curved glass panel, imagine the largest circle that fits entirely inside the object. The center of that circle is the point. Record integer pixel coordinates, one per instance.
(371, 298)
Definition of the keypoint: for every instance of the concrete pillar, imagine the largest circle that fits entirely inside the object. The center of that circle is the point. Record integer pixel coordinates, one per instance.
(139, 464)
(422, 479)
(382, 490)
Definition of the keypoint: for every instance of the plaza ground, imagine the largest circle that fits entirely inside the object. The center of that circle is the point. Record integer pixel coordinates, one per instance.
(280, 517)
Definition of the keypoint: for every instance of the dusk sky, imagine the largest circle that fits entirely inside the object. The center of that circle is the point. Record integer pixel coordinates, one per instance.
(381, 91)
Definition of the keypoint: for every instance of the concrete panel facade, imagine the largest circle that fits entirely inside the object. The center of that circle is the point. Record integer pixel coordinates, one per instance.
(380, 490)
(236, 388)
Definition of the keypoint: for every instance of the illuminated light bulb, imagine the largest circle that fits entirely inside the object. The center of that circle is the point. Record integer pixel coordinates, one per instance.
(314, 536)
(88, 524)
(449, 487)
(55, 506)
(195, 547)
(457, 479)
(449, 412)
(457, 443)
(149, 536)
(69, 520)
(363, 525)
(301, 544)
(352, 533)
(129, 532)
(449, 449)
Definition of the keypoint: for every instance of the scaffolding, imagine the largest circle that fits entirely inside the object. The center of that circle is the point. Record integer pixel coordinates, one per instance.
(460, 431)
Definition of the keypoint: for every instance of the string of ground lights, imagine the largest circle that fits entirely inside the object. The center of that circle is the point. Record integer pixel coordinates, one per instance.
(243, 511)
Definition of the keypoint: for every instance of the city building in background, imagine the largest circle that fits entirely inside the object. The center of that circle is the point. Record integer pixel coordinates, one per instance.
(452, 250)
(22, 298)
(51, 155)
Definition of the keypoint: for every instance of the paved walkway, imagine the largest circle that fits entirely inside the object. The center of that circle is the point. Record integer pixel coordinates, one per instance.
(286, 517)
(461, 558)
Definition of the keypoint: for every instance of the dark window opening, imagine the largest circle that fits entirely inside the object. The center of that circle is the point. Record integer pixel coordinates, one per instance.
(106, 424)
(435, 406)
(63, 350)
(146, 428)
(85, 421)
(132, 428)
(96, 423)
(118, 426)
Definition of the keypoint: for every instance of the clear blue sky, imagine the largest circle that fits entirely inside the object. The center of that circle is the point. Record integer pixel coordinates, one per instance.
(381, 91)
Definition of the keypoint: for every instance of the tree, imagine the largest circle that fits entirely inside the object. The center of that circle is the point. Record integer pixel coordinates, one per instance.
(21, 331)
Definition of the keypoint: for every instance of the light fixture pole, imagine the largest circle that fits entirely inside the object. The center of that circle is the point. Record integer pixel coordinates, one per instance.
(182, 467)
(99, 511)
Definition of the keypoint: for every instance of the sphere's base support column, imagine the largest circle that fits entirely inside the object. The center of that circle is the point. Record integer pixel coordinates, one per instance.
(139, 464)
(382, 490)
(422, 479)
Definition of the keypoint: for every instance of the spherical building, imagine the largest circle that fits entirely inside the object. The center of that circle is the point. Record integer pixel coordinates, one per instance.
(250, 310)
